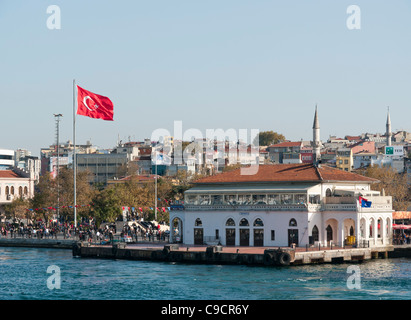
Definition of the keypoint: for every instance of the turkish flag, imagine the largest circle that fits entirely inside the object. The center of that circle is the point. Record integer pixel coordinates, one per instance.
(94, 105)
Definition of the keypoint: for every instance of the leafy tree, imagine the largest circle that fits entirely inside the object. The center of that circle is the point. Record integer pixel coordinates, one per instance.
(183, 181)
(17, 209)
(392, 183)
(128, 169)
(266, 138)
(231, 167)
(46, 193)
(106, 206)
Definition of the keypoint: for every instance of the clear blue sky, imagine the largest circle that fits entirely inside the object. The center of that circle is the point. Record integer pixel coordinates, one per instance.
(212, 64)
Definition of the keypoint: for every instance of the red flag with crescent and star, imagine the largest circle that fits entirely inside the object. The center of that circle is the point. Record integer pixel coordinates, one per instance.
(94, 105)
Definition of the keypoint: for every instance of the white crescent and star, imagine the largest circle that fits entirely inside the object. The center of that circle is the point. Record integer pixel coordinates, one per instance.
(85, 103)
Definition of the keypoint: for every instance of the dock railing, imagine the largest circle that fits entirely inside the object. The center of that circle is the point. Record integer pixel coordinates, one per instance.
(330, 245)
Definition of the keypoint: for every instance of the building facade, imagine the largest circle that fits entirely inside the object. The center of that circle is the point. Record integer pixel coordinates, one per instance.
(283, 205)
(13, 186)
(6, 159)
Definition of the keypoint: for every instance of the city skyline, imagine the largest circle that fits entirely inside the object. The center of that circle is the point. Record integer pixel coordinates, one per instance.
(211, 65)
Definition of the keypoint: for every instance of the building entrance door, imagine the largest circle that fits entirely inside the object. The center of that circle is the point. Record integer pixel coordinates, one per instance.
(292, 237)
(230, 237)
(258, 237)
(244, 237)
(198, 236)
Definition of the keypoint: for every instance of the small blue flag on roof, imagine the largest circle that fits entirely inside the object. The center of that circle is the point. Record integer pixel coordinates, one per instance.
(364, 202)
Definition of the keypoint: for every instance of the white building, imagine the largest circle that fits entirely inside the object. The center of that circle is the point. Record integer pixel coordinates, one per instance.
(6, 159)
(281, 205)
(284, 205)
(12, 186)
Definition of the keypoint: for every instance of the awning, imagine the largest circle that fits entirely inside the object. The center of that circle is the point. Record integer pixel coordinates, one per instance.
(401, 227)
(352, 193)
(399, 215)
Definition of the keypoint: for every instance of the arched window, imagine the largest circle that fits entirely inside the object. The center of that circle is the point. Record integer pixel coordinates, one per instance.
(7, 190)
(230, 222)
(315, 234)
(198, 223)
(20, 191)
(371, 225)
(12, 190)
(293, 223)
(388, 227)
(26, 191)
(244, 222)
(258, 223)
(379, 227)
(329, 233)
(328, 192)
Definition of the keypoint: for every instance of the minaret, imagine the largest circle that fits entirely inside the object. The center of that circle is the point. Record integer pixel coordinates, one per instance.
(388, 132)
(316, 140)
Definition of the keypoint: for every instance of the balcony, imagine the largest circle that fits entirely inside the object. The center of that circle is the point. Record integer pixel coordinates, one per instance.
(378, 203)
(250, 207)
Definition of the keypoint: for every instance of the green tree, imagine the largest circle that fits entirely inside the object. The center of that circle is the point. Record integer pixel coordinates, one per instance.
(106, 206)
(266, 138)
(17, 209)
(47, 191)
(392, 184)
(231, 167)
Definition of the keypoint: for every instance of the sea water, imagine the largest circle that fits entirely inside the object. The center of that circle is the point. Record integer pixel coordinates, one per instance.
(54, 274)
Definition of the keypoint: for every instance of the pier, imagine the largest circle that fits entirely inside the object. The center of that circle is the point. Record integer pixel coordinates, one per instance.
(230, 255)
(215, 254)
(37, 243)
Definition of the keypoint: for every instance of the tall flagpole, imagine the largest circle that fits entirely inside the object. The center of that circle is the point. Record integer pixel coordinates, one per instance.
(74, 153)
(155, 202)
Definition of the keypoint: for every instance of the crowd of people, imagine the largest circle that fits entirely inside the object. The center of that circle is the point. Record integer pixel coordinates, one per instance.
(37, 230)
(401, 238)
(86, 231)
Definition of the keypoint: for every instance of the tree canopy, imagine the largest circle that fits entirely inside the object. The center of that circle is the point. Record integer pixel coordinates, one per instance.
(392, 184)
(266, 138)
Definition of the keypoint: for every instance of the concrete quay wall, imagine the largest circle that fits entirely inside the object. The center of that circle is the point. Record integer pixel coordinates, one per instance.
(212, 254)
(216, 255)
(37, 243)
(400, 251)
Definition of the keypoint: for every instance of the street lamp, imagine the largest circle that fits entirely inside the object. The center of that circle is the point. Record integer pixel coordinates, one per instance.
(57, 117)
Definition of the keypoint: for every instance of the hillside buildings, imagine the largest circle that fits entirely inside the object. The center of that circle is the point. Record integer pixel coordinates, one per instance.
(284, 205)
(351, 152)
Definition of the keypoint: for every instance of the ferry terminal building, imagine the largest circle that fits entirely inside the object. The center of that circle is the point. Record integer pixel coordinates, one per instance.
(284, 205)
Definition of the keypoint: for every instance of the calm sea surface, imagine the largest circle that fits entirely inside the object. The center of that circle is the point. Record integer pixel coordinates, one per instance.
(23, 275)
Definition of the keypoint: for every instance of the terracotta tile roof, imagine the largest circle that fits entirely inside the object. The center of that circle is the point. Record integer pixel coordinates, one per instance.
(334, 174)
(287, 173)
(8, 174)
(353, 138)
